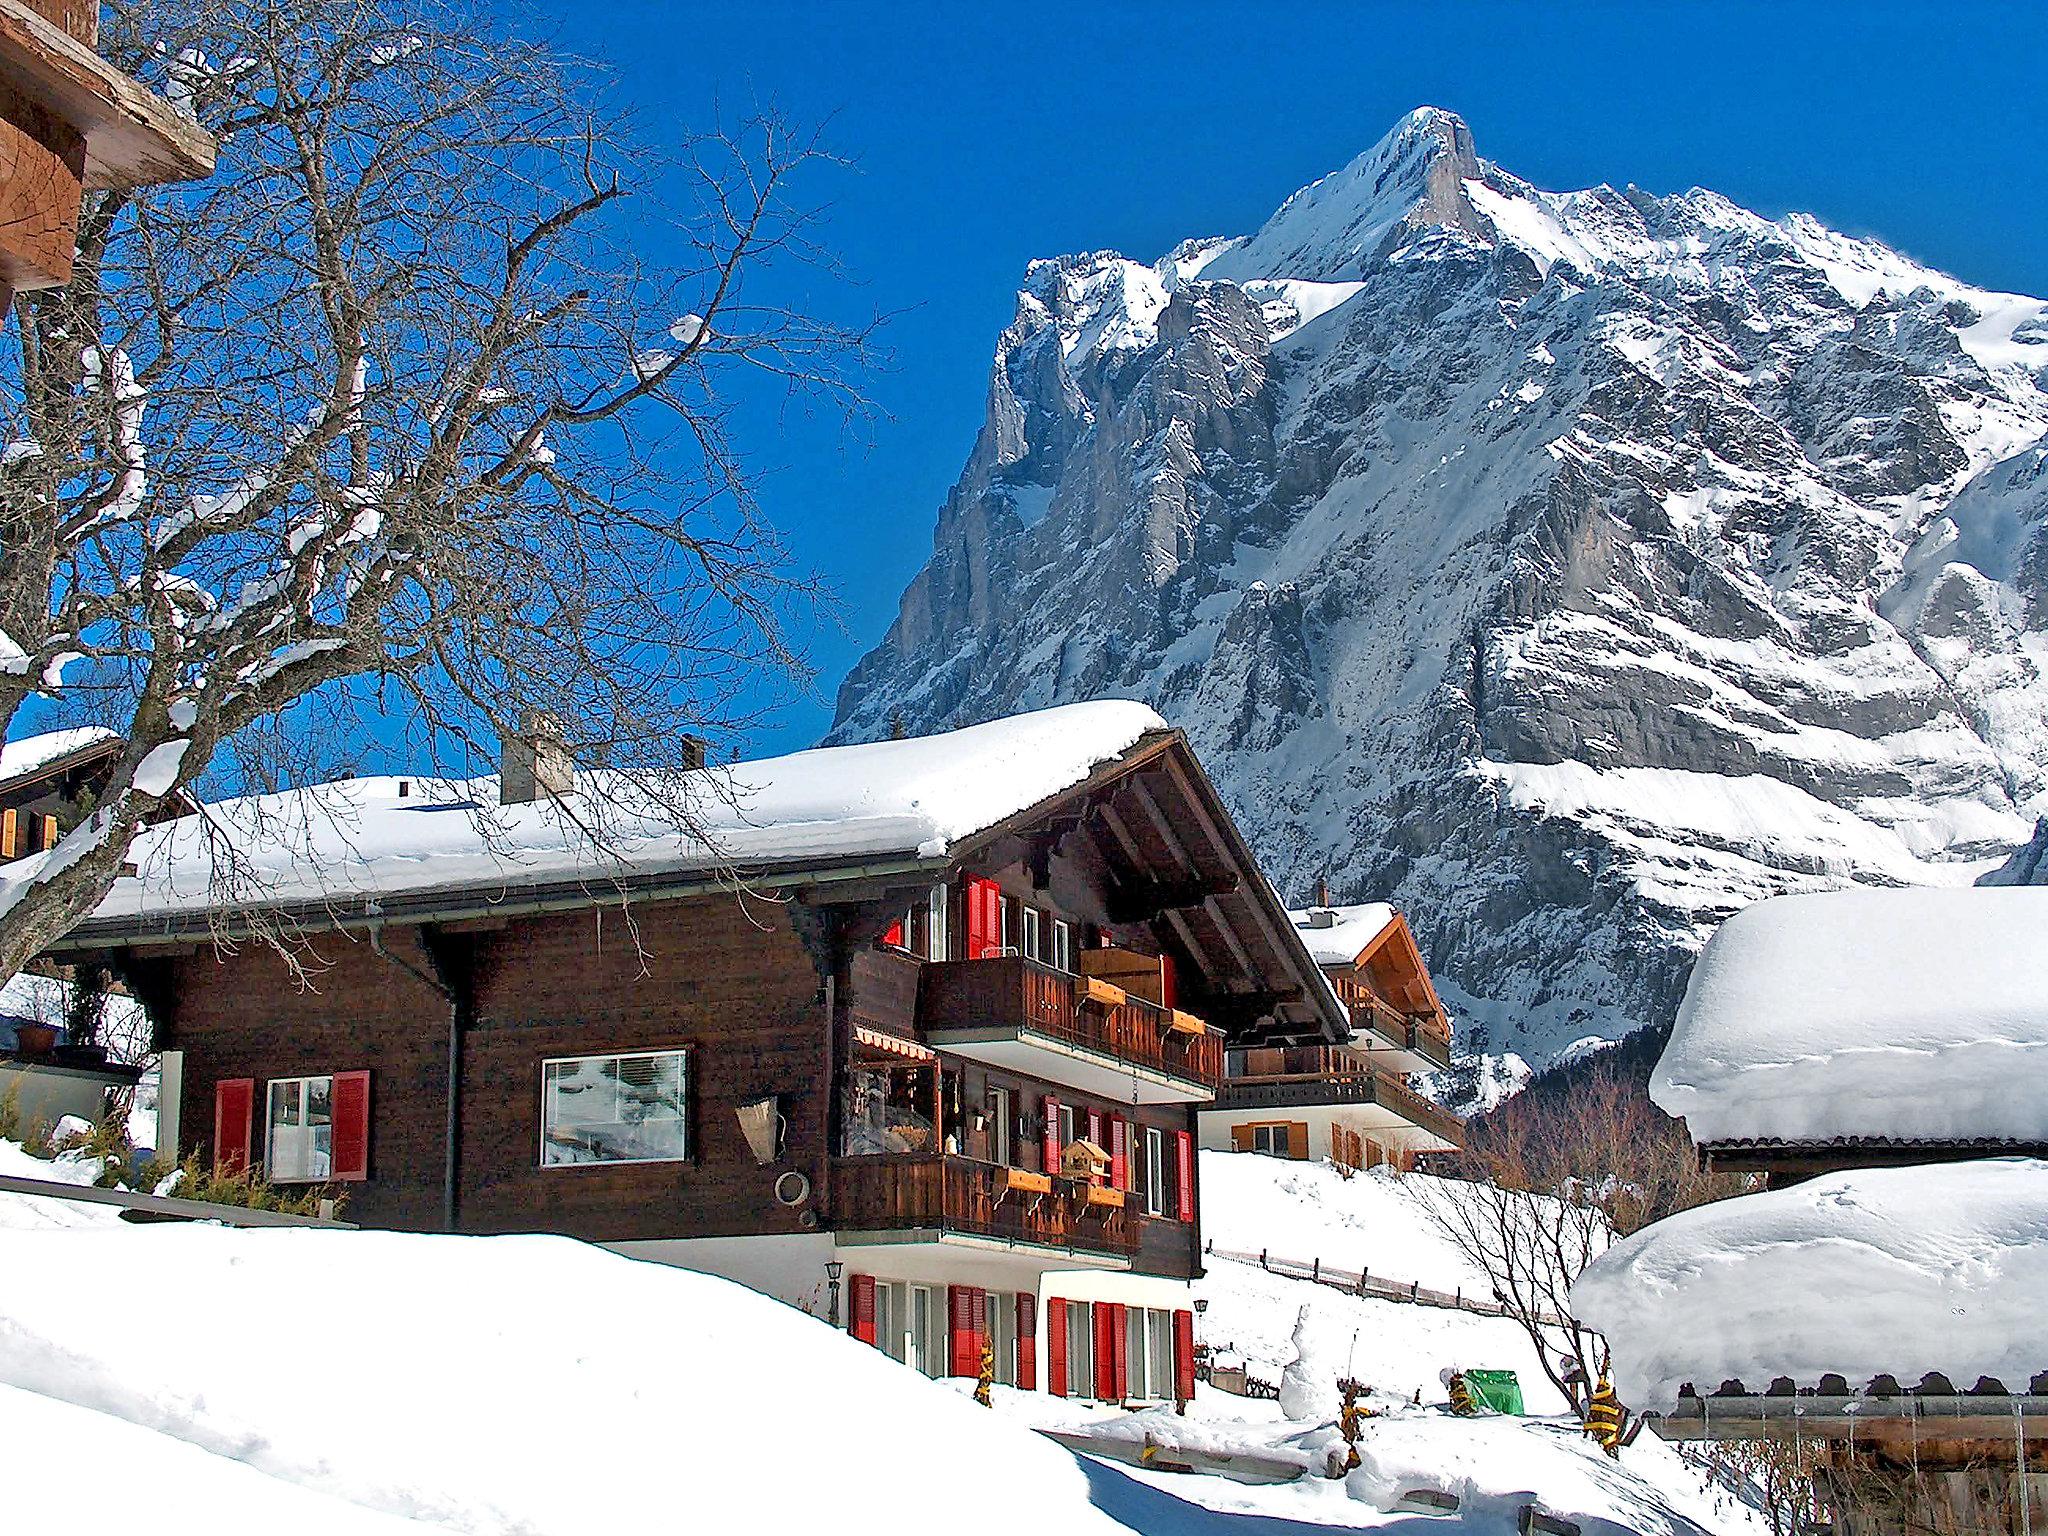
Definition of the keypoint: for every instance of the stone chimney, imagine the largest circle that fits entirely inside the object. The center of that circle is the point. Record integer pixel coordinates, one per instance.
(696, 752)
(535, 762)
(1323, 891)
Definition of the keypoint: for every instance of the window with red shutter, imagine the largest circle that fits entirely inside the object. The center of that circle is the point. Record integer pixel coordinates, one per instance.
(1106, 1340)
(984, 918)
(1095, 1127)
(234, 1115)
(892, 936)
(1027, 1342)
(1056, 1346)
(966, 1350)
(1184, 1356)
(1184, 1175)
(1052, 1134)
(1169, 991)
(860, 1307)
(1120, 1152)
(1120, 1346)
(350, 1158)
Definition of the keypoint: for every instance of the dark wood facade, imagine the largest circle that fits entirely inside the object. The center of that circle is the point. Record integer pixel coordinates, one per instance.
(797, 993)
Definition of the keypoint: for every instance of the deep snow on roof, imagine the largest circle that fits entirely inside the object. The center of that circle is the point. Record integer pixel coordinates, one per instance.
(1901, 1014)
(1899, 1270)
(23, 757)
(1350, 929)
(382, 837)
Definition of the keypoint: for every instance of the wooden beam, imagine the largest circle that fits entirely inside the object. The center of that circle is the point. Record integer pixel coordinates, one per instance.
(1139, 901)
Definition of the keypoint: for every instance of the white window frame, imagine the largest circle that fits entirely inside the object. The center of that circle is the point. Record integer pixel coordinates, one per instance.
(1080, 1349)
(929, 1353)
(1034, 934)
(1062, 945)
(937, 934)
(1067, 1129)
(1002, 1147)
(683, 1120)
(303, 1085)
(1002, 1335)
(1159, 1353)
(1154, 1172)
(1268, 1132)
(889, 1329)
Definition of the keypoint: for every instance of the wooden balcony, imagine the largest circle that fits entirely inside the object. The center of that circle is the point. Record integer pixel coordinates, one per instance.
(1026, 1017)
(1419, 1045)
(1298, 1076)
(937, 1199)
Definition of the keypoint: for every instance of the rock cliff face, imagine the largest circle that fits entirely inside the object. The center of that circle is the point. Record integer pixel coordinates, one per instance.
(1570, 568)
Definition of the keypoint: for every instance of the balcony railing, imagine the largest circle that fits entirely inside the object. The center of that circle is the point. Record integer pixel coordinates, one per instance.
(1011, 990)
(1402, 1032)
(957, 1194)
(1288, 1076)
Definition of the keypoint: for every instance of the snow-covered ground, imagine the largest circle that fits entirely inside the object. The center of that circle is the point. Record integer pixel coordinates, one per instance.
(368, 1383)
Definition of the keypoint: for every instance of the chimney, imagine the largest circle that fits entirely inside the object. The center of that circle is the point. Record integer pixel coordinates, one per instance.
(1323, 891)
(696, 752)
(1322, 917)
(535, 762)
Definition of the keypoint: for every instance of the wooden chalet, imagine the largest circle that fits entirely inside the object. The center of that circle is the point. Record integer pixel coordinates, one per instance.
(1881, 1034)
(70, 123)
(1349, 1101)
(913, 1034)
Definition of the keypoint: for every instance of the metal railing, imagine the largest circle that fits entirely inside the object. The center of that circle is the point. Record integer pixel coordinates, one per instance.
(166, 1207)
(1362, 1282)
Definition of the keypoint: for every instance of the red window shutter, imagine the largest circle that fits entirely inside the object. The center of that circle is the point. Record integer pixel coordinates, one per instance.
(1169, 990)
(960, 1312)
(984, 918)
(234, 1113)
(1095, 1126)
(349, 1161)
(893, 935)
(980, 1323)
(1120, 1153)
(1120, 1348)
(1027, 1342)
(1052, 1134)
(1184, 1356)
(1056, 1346)
(1184, 1175)
(860, 1307)
(1105, 1353)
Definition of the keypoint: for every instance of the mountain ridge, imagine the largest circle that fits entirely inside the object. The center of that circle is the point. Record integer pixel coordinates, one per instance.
(1571, 568)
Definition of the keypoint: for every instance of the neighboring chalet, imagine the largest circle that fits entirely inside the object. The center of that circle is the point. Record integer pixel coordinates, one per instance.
(930, 1020)
(1350, 1102)
(53, 1057)
(1882, 1058)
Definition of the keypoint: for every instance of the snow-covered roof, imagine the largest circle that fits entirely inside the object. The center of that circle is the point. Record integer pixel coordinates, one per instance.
(1899, 1270)
(20, 758)
(1337, 935)
(1905, 1015)
(385, 837)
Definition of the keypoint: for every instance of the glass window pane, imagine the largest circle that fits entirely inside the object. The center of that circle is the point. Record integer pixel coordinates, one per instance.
(614, 1109)
(1159, 1354)
(1031, 933)
(299, 1135)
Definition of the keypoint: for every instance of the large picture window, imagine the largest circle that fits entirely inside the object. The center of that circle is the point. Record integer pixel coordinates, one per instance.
(614, 1109)
(298, 1143)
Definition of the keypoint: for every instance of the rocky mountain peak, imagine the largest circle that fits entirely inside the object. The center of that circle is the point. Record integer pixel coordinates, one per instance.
(1570, 568)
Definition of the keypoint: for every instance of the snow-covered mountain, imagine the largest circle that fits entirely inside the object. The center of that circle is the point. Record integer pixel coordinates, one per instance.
(1572, 568)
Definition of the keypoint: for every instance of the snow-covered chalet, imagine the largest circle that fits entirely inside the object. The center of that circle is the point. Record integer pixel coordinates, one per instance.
(913, 1034)
(1350, 1102)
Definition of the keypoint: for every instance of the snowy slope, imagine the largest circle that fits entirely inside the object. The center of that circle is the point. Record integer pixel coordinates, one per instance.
(1570, 568)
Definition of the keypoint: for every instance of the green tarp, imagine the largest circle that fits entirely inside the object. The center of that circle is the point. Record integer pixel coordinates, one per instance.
(1498, 1390)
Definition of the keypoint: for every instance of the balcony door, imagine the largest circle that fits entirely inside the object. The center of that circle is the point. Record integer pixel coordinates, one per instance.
(925, 1339)
(1002, 1124)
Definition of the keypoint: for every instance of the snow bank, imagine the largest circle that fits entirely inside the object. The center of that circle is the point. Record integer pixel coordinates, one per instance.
(1900, 1270)
(1347, 931)
(18, 758)
(528, 1384)
(1908, 1015)
(395, 836)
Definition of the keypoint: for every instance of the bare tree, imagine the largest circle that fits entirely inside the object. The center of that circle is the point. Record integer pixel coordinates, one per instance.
(1546, 1183)
(392, 413)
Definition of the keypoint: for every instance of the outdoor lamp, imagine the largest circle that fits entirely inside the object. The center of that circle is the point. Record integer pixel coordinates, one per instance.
(833, 1270)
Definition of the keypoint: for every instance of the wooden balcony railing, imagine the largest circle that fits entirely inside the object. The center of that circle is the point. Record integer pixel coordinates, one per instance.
(1401, 1031)
(957, 1194)
(1010, 989)
(1283, 1076)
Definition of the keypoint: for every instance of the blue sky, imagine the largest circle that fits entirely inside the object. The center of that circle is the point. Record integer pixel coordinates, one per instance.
(990, 134)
